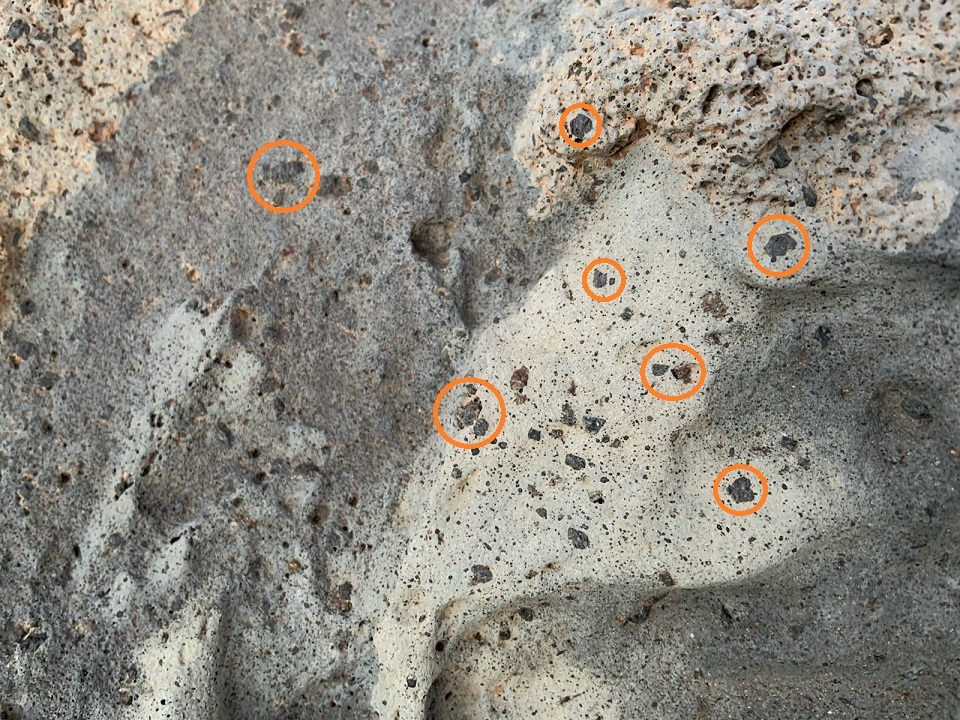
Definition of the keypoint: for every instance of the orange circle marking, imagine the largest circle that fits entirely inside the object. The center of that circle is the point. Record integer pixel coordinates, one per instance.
(460, 381)
(597, 120)
(742, 468)
(585, 278)
(313, 188)
(806, 245)
(673, 346)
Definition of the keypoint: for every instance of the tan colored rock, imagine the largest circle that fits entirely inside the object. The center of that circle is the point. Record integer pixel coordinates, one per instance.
(766, 109)
(67, 72)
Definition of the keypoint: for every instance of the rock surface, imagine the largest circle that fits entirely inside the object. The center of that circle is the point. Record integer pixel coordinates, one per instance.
(224, 495)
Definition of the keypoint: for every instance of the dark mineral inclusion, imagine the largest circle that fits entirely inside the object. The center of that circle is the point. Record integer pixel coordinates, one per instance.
(581, 127)
(740, 490)
(779, 245)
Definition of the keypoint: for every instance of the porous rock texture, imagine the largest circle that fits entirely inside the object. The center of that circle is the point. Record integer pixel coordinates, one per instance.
(223, 492)
(762, 105)
(69, 71)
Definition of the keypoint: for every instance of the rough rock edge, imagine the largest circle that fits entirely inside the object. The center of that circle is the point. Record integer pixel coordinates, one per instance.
(731, 94)
(68, 73)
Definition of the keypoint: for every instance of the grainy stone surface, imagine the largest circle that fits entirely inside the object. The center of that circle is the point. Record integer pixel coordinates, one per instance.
(221, 491)
(70, 70)
(764, 106)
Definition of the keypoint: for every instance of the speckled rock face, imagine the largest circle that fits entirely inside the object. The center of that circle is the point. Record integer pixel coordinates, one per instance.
(222, 491)
(596, 487)
(70, 70)
(765, 108)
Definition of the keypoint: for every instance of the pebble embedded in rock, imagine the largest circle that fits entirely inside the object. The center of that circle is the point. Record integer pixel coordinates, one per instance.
(576, 462)
(683, 373)
(519, 379)
(779, 245)
(593, 424)
(481, 573)
(581, 127)
(29, 130)
(740, 490)
(780, 158)
(579, 538)
(468, 412)
(18, 28)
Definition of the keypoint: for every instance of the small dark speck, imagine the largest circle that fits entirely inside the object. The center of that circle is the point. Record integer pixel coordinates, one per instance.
(577, 463)
(481, 573)
(599, 278)
(739, 160)
(626, 314)
(526, 614)
(823, 335)
(780, 158)
(659, 369)
(411, 682)
(789, 443)
(542, 512)
(568, 418)
(79, 54)
(809, 196)
(666, 578)
(578, 538)
(943, 128)
(457, 473)
(533, 434)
